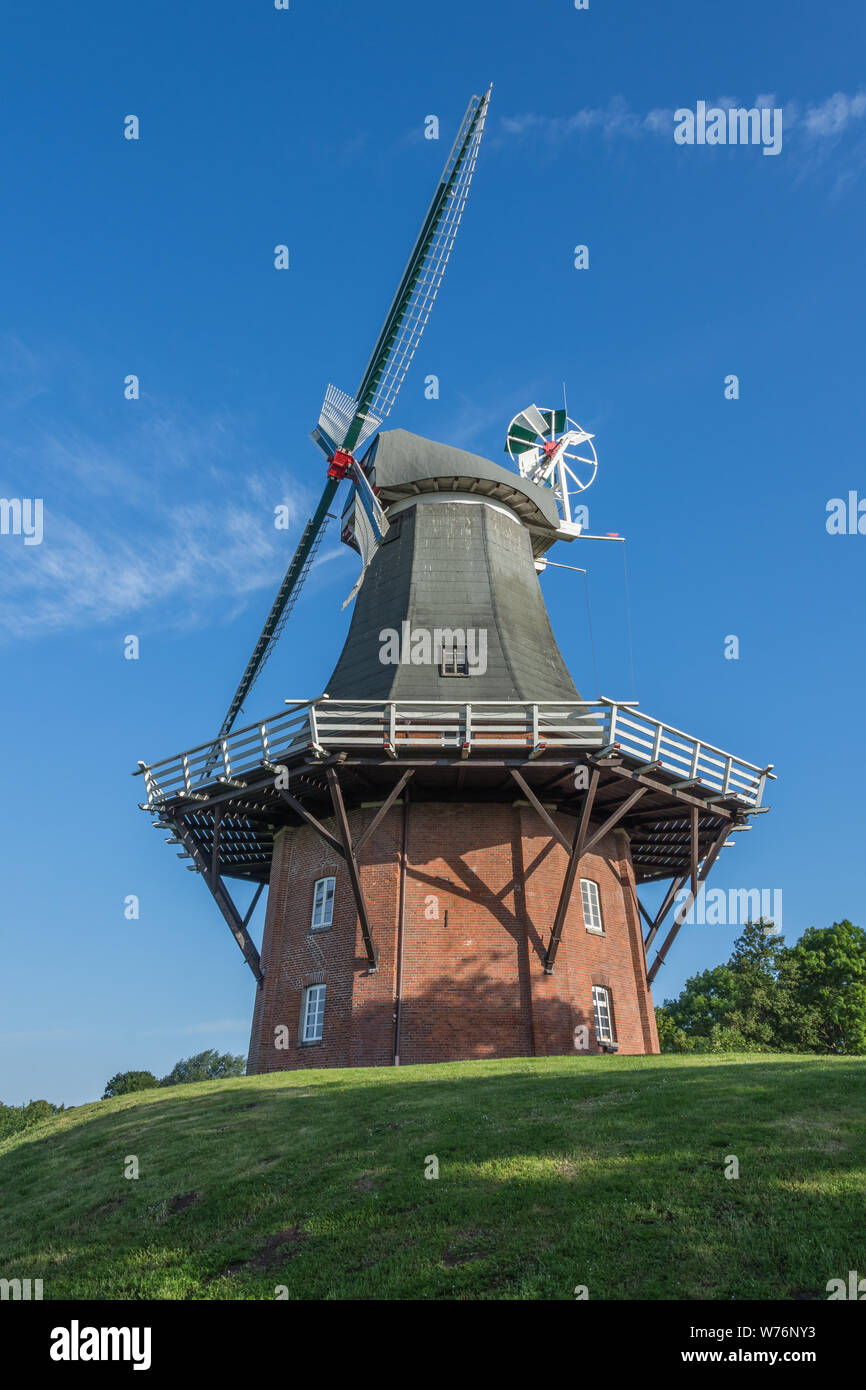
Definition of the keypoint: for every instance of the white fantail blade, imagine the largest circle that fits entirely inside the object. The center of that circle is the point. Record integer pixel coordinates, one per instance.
(575, 437)
(531, 418)
(528, 463)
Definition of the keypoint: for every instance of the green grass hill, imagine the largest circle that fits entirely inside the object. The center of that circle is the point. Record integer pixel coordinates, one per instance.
(558, 1172)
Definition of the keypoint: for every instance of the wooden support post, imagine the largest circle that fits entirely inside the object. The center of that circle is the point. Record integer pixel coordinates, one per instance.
(570, 873)
(224, 902)
(352, 866)
(694, 850)
(542, 811)
(708, 863)
(383, 810)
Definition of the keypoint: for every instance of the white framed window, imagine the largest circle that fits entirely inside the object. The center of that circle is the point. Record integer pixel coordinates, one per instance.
(591, 905)
(313, 1013)
(323, 904)
(601, 1011)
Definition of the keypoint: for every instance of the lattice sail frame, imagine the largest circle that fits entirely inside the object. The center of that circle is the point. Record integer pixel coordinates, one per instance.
(456, 178)
(346, 422)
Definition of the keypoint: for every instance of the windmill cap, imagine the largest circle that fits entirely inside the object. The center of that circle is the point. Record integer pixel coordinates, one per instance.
(401, 465)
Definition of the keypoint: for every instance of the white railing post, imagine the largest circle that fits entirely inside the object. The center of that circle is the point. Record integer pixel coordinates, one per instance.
(535, 738)
(226, 764)
(729, 762)
(314, 728)
(392, 724)
(611, 736)
(467, 724)
(263, 730)
(696, 758)
(186, 781)
(657, 744)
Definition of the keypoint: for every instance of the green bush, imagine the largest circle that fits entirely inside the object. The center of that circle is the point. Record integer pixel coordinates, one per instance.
(125, 1082)
(14, 1118)
(205, 1066)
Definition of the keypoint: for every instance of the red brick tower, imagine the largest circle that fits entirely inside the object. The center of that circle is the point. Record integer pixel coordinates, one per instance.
(420, 930)
(461, 896)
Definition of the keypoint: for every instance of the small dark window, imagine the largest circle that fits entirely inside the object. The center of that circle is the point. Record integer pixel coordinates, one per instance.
(455, 662)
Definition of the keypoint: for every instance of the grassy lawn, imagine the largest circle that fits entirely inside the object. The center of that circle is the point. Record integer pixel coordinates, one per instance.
(553, 1172)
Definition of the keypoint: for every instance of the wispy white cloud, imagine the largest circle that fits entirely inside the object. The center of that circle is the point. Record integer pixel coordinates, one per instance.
(832, 143)
(152, 523)
(613, 120)
(833, 116)
(814, 130)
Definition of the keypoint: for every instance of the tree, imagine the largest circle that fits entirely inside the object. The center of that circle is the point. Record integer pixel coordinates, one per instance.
(14, 1118)
(809, 997)
(742, 1000)
(205, 1066)
(125, 1082)
(672, 1038)
(825, 972)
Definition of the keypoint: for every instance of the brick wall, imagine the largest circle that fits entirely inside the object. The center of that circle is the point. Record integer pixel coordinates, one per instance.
(481, 889)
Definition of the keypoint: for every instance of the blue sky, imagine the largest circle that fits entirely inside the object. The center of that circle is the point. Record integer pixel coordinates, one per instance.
(155, 257)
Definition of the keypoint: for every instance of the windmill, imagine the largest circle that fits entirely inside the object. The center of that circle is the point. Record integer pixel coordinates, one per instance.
(451, 836)
(346, 422)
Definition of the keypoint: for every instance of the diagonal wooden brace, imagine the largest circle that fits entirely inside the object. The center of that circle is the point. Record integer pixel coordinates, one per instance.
(223, 899)
(612, 819)
(352, 866)
(383, 810)
(571, 872)
(709, 861)
(310, 819)
(675, 886)
(541, 810)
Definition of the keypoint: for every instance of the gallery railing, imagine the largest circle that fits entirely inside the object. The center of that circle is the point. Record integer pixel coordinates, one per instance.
(465, 729)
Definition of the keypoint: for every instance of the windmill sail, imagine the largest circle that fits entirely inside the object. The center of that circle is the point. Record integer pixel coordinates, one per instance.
(407, 317)
(287, 596)
(338, 413)
(346, 421)
(369, 524)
